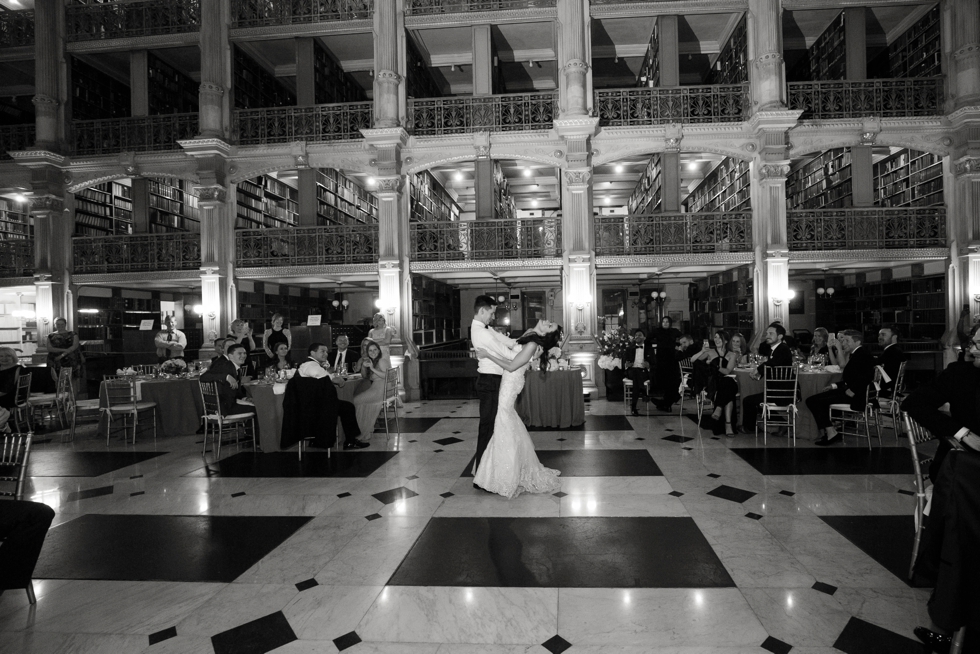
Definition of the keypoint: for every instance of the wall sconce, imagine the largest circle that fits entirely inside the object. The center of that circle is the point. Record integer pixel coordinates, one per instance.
(579, 301)
(825, 292)
(390, 310)
(340, 304)
(778, 301)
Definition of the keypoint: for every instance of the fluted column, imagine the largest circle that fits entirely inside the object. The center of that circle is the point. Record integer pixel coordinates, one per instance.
(767, 78)
(769, 231)
(214, 91)
(218, 294)
(965, 76)
(49, 59)
(573, 59)
(52, 271)
(387, 81)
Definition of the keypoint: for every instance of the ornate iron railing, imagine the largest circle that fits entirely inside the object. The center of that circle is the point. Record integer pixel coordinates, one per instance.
(93, 21)
(17, 257)
(322, 122)
(423, 7)
(259, 13)
(886, 98)
(16, 137)
(492, 113)
(721, 103)
(866, 229)
(137, 252)
(306, 246)
(143, 134)
(533, 238)
(16, 28)
(673, 233)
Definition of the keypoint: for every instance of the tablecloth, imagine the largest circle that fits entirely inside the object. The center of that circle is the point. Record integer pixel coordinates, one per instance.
(552, 399)
(268, 411)
(810, 383)
(179, 404)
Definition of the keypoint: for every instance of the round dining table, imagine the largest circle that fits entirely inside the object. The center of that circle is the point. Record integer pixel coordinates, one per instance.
(179, 404)
(552, 399)
(810, 382)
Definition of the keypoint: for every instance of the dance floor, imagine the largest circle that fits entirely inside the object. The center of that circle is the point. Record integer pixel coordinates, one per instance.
(662, 539)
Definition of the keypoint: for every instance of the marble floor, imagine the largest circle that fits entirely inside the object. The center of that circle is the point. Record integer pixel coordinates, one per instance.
(662, 539)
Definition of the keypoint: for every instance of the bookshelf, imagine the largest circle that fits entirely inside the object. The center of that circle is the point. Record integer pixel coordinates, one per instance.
(173, 206)
(909, 178)
(170, 90)
(330, 83)
(918, 52)
(916, 305)
(104, 209)
(435, 311)
(418, 78)
(15, 220)
(823, 182)
(827, 55)
(724, 301)
(255, 87)
(266, 202)
(258, 306)
(650, 68)
(430, 201)
(341, 201)
(725, 188)
(648, 194)
(730, 67)
(96, 95)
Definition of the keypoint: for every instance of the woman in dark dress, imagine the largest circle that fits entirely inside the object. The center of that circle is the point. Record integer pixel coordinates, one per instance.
(667, 374)
(722, 389)
(9, 373)
(275, 335)
(820, 338)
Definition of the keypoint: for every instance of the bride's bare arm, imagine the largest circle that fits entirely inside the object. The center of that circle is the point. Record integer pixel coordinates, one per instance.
(510, 366)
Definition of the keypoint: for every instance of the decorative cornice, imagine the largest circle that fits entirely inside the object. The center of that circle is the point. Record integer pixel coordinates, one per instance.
(774, 172)
(478, 17)
(385, 136)
(967, 166)
(356, 26)
(124, 277)
(387, 77)
(206, 147)
(307, 271)
(6, 282)
(489, 265)
(39, 158)
(663, 260)
(147, 42)
(666, 7)
(913, 254)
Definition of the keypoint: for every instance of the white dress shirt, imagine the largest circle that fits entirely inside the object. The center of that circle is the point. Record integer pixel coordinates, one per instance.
(312, 368)
(170, 344)
(638, 358)
(340, 360)
(493, 342)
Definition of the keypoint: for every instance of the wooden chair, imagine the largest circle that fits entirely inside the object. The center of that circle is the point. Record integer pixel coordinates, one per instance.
(121, 400)
(628, 393)
(779, 397)
(146, 369)
(15, 453)
(686, 392)
(22, 408)
(73, 408)
(391, 399)
(216, 423)
(918, 435)
(892, 405)
(52, 401)
(852, 422)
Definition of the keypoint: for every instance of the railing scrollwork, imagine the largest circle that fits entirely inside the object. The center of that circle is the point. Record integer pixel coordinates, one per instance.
(485, 239)
(322, 122)
(688, 233)
(92, 21)
(137, 253)
(260, 13)
(16, 28)
(491, 113)
(873, 228)
(306, 246)
(16, 257)
(142, 134)
(719, 103)
(886, 98)
(426, 7)
(16, 137)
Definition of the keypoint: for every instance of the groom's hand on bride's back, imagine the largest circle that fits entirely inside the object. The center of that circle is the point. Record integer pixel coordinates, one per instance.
(481, 353)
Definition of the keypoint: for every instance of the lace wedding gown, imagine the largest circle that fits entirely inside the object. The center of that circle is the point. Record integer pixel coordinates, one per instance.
(509, 465)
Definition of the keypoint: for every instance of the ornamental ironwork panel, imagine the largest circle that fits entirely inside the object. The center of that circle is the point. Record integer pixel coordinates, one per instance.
(720, 103)
(306, 246)
(16, 28)
(17, 257)
(887, 98)
(322, 122)
(423, 7)
(534, 238)
(491, 113)
(137, 252)
(259, 13)
(663, 233)
(864, 229)
(88, 20)
(142, 134)
(16, 137)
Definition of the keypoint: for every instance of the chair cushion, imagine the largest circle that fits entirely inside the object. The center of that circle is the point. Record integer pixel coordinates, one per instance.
(87, 404)
(842, 407)
(232, 417)
(128, 407)
(40, 398)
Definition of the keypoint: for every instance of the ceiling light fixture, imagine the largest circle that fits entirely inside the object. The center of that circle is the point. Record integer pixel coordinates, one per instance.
(527, 172)
(458, 176)
(452, 67)
(531, 63)
(534, 203)
(693, 165)
(618, 169)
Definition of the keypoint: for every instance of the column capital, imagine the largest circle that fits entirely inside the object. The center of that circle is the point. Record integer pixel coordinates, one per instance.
(774, 172)
(391, 186)
(39, 158)
(211, 90)
(967, 167)
(576, 127)
(578, 180)
(381, 137)
(774, 119)
(387, 77)
(210, 195)
(204, 146)
(47, 203)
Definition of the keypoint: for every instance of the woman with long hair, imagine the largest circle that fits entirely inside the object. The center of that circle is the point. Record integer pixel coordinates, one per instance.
(370, 391)
(509, 466)
(739, 346)
(819, 345)
(722, 389)
(280, 359)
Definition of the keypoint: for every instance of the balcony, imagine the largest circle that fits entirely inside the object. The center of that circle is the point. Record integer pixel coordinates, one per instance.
(16, 28)
(873, 228)
(316, 124)
(124, 19)
(16, 137)
(306, 246)
(642, 106)
(262, 13)
(492, 113)
(430, 7)
(17, 257)
(885, 98)
(143, 134)
(673, 233)
(136, 253)
(533, 238)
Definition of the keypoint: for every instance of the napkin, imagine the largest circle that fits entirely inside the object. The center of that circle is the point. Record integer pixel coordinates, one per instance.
(832, 368)
(278, 389)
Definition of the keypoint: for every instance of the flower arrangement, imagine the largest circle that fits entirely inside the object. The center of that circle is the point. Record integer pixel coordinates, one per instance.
(612, 345)
(173, 366)
(125, 371)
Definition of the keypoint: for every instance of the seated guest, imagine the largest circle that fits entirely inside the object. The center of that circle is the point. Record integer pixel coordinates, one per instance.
(852, 389)
(765, 349)
(670, 376)
(779, 355)
(343, 357)
(315, 367)
(228, 372)
(10, 371)
(722, 389)
(638, 363)
(370, 391)
(819, 345)
(835, 351)
(170, 341)
(891, 357)
(219, 349)
(740, 347)
(23, 526)
(281, 359)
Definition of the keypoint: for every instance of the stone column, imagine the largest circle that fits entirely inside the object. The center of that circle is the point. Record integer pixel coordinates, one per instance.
(670, 171)
(964, 79)
(218, 294)
(482, 60)
(670, 55)
(767, 78)
(963, 287)
(855, 44)
(387, 81)
(52, 233)
(574, 97)
(139, 98)
(306, 97)
(769, 230)
(49, 66)
(215, 102)
(862, 176)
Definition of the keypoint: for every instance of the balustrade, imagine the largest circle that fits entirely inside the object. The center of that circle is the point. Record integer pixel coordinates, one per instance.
(16, 137)
(17, 257)
(492, 113)
(886, 98)
(16, 28)
(673, 233)
(322, 122)
(720, 103)
(260, 13)
(533, 238)
(93, 20)
(137, 252)
(306, 246)
(423, 7)
(873, 228)
(142, 134)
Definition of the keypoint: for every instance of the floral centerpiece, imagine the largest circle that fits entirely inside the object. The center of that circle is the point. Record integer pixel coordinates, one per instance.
(173, 367)
(554, 355)
(612, 345)
(128, 371)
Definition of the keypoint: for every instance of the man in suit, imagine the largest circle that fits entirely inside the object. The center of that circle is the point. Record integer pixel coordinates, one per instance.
(891, 357)
(342, 358)
(859, 373)
(227, 372)
(779, 355)
(638, 362)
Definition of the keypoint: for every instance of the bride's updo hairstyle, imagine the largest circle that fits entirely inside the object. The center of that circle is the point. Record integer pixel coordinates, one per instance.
(548, 341)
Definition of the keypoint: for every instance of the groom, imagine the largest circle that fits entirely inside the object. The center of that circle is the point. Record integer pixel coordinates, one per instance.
(488, 383)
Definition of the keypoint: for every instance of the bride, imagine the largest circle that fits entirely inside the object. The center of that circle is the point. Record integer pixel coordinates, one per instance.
(509, 466)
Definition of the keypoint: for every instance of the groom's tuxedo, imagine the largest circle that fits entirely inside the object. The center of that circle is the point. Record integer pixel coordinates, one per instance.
(488, 383)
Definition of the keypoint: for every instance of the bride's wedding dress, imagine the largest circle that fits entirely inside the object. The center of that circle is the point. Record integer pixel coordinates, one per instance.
(509, 465)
